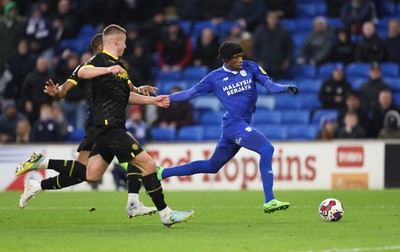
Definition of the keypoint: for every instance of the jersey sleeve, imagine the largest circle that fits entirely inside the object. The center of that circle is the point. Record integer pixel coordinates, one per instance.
(96, 61)
(205, 86)
(261, 76)
(73, 78)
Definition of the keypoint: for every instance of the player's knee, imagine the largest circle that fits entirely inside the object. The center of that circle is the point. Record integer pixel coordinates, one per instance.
(213, 167)
(149, 167)
(92, 177)
(267, 149)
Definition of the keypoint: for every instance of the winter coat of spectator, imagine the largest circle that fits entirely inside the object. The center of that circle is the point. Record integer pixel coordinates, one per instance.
(370, 90)
(334, 90)
(141, 60)
(392, 42)
(45, 129)
(136, 125)
(343, 49)
(64, 21)
(353, 105)
(10, 26)
(371, 48)
(351, 128)
(206, 48)
(8, 121)
(284, 8)
(333, 7)
(391, 126)
(32, 90)
(378, 112)
(249, 13)
(355, 12)
(174, 51)
(273, 47)
(152, 30)
(317, 47)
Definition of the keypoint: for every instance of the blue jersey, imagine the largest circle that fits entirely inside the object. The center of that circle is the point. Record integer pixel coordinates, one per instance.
(236, 90)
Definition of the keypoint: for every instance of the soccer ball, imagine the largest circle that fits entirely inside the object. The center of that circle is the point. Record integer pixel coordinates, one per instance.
(331, 210)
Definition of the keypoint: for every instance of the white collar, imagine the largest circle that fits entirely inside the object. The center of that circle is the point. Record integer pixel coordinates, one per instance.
(228, 70)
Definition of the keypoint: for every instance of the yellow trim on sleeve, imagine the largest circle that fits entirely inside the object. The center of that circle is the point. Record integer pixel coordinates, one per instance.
(88, 65)
(73, 81)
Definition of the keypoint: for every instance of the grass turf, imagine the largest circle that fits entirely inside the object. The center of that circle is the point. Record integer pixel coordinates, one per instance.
(223, 221)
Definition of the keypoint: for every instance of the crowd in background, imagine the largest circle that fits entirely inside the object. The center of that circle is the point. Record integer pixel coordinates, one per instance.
(161, 38)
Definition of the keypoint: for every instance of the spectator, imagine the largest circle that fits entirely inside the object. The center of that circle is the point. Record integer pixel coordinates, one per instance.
(132, 37)
(378, 112)
(136, 125)
(273, 46)
(65, 21)
(351, 128)
(333, 7)
(140, 59)
(152, 30)
(370, 90)
(20, 65)
(61, 120)
(284, 8)
(371, 48)
(355, 13)
(344, 49)
(5, 79)
(241, 36)
(328, 129)
(190, 10)
(174, 51)
(8, 121)
(249, 13)
(318, 45)
(217, 11)
(392, 42)
(45, 129)
(391, 126)
(333, 90)
(33, 96)
(206, 49)
(10, 26)
(23, 131)
(176, 115)
(353, 106)
(37, 30)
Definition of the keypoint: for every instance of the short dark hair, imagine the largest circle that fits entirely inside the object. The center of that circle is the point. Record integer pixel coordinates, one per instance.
(97, 41)
(228, 49)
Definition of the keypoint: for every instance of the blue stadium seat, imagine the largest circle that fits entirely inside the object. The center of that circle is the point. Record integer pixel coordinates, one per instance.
(334, 22)
(200, 25)
(76, 135)
(304, 25)
(162, 134)
(206, 103)
(396, 98)
(265, 101)
(309, 101)
(267, 117)
(311, 86)
(302, 132)
(357, 70)
(394, 83)
(195, 74)
(287, 102)
(274, 132)
(299, 38)
(212, 132)
(304, 71)
(296, 117)
(165, 87)
(190, 133)
(162, 76)
(225, 28)
(307, 10)
(318, 114)
(186, 27)
(289, 24)
(87, 30)
(356, 83)
(325, 70)
(211, 118)
(390, 69)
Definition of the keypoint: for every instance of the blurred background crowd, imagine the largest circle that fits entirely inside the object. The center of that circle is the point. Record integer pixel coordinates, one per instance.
(343, 54)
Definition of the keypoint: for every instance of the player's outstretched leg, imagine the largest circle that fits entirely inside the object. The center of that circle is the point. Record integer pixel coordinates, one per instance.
(32, 163)
(30, 189)
(275, 205)
(176, 217)
(133, 210)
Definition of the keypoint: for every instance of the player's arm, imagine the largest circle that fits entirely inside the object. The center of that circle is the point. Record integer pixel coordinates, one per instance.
(89, 71)
(265, 81)
(56, 91)
(160, 101)
(184, 95)
(143, 90)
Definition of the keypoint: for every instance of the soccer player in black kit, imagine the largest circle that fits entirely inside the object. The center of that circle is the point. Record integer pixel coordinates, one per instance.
(111, 91)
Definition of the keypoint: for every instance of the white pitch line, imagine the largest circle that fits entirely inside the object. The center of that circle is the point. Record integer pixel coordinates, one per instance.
(383, 248)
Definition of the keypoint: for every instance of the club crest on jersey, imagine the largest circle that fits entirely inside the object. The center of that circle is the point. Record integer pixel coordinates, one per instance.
(123, 75)
(243, 73)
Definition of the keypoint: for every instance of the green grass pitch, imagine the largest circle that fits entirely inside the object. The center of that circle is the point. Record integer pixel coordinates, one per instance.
(223, 221)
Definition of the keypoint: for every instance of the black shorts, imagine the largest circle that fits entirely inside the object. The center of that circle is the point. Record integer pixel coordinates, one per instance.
(116, 142)
(88, 141)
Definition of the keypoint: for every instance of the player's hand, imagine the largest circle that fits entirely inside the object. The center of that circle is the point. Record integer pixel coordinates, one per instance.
(162, 101)
(51, 88)
(147, 90)
(116, 69)
(292, 89)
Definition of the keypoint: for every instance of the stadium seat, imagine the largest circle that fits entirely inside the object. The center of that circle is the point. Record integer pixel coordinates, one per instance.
(206, 103)
(309, 101)
(262, 117)
(287, 102)
(311, 86)
(396, 98)
(274, 132)
(212, 132)
(165, 87)
(265, 101)
(334, 22)
(186, 27)
(357, 70)
(195, 74)
(307, 10)
(162, 134)
(225, 28)
(394, 83)
(304, 25)
(302, 132)
(304, 71)
(298, 39)
(211, 118)
(289, 24)
(356, 83)
(163, 76)
(325, 70)
(296, 117)
(200, 25)
(318, 114)
(76, 135)
(390, 69)
(190, 133)
(87, 30)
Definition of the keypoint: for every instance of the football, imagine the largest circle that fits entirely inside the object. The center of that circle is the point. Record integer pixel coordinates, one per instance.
(331, 210)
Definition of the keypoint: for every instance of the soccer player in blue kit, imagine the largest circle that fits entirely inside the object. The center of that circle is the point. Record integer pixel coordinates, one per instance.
(235, 86)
